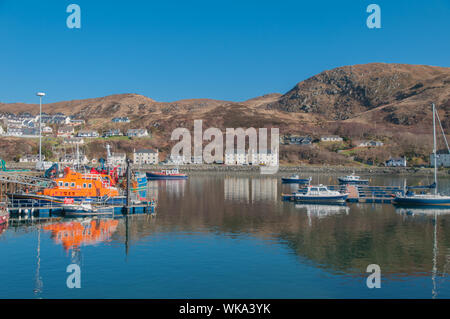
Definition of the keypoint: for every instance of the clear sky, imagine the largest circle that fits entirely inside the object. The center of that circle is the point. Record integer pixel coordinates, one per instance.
(232, 50)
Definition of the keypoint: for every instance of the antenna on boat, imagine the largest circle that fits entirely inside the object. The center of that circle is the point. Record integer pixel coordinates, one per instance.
(434, 149)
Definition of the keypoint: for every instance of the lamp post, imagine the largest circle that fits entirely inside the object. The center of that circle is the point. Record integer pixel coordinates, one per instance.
(40, 94)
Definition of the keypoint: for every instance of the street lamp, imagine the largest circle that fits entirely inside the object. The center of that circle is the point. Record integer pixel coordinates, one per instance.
(40, 94)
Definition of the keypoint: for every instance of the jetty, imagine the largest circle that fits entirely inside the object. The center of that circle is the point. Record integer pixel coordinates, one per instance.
(360, 193)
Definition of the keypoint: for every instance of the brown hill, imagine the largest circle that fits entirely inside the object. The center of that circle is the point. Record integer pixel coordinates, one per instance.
(404, 91)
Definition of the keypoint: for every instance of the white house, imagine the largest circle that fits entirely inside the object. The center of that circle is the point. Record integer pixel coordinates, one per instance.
(65, 131)
(30, 158)
(396, 162)
(331, 138)
(137, 133)
(88, 134)
(1, 131)
(72, 159)
(145, 156)
(74, 140)
(370, 144)
(117, 159)
(237, 157)
(178, 159)
(47, 130)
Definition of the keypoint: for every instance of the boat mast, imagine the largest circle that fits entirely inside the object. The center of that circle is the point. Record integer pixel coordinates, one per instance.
(434, 150)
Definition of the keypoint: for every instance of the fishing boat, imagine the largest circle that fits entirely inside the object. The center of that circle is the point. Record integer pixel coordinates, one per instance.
(166, 174)
(352, 180)
(295, 179)
(320, 194)
(409, 198)
(73, 185)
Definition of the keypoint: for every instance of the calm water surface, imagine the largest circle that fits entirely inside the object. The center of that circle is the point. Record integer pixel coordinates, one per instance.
(230, 236)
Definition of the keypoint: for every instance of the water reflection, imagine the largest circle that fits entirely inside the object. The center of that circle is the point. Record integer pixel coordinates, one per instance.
(432, 214)
(250, 189)
(321, 211)
(77, 233)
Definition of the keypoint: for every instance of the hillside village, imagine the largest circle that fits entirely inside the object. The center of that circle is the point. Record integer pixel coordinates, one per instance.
(69, 135)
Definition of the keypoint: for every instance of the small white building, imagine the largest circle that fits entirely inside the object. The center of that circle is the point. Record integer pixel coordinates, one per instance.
(72, 159)
(137, 133)
(30, 158)
(396, 162)
(331, 138)
(145, 156)
(117, 159)
(74, 140)
(178, 159)
(65, 131)
(47, 130)
(88, 134)
(370, 144)
(1, 131)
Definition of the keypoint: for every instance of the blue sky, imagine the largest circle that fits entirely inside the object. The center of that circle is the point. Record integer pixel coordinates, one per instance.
(231, 50)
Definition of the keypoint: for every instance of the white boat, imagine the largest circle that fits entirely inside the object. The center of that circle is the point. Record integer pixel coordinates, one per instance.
(320, 194)
(353, 179)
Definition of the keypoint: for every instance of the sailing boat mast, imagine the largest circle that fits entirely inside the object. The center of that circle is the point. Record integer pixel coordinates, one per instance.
(434, 150)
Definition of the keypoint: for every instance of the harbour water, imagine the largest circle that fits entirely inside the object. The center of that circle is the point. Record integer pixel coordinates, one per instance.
(231, 236)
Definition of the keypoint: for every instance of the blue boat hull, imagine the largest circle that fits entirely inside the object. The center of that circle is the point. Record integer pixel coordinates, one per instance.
(322, 199)
(32, 200)
(155, 177)
(295, 180)
(420, 202)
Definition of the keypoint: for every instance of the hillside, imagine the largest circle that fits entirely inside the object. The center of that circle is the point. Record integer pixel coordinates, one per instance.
(386, 102)
(398, 93)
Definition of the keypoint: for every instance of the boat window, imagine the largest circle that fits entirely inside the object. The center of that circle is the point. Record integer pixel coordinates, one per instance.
(90, 185)
(66, 184)
(72, 185)
(323, 189)
(84, 185)
(313, 189)
(60, 183)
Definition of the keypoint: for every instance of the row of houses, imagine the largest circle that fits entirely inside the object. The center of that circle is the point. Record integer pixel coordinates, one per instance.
(68, 131)
(308, 140)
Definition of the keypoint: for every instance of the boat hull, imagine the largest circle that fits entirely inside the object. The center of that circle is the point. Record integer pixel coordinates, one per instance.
(421, 202)
(335, 199)
(285, 180)
(347, 182)
(34, 200)
(157, 176)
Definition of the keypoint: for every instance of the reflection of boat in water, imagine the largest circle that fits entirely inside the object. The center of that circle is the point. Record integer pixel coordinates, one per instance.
(4, 215)
(321, 210)
(435, 213)
(352, 180)
(320, 194)
(88, 231)
(166, 174)
(295, 179)
(422, 211)
(424, 200)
